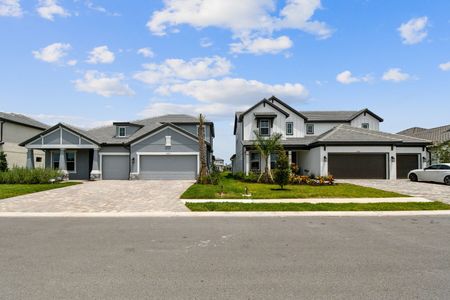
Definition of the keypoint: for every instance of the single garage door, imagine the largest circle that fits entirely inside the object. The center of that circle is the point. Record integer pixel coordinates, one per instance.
(115, 167)
(168, 167)
(357, 165)
(406, 163)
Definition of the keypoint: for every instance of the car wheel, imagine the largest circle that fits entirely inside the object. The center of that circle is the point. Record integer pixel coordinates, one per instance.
(447, 180)
(413, 177)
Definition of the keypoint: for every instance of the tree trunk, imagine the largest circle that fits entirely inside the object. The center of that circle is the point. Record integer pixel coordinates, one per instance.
(203, 176)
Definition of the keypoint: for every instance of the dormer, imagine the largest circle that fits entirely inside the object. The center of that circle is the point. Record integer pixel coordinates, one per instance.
(125, 129)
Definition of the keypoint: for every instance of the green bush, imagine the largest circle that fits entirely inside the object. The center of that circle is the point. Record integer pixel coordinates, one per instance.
(29, 176)
(282, 172)
(3, 162)
(239, 175)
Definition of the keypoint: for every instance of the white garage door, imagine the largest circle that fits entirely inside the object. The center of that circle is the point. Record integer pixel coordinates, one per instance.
(168, 167)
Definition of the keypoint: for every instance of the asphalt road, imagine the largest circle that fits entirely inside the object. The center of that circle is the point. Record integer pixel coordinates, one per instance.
(225, 258)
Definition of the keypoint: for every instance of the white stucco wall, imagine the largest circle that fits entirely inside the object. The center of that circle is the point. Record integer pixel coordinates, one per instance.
(374, 124)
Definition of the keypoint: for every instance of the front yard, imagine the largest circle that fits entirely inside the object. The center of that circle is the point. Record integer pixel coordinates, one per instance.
(13, 190)
(234, 189)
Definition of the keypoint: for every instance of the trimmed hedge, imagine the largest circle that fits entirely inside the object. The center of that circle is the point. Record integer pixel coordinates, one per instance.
(30, 176)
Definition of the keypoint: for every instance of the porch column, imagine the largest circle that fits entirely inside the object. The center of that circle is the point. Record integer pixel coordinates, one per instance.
(290, 158)
(247, 162)
(95, 172)
(30, 159)
(62, 164)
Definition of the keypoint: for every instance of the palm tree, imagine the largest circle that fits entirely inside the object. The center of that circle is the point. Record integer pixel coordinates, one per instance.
(203, 176)
(266, 146)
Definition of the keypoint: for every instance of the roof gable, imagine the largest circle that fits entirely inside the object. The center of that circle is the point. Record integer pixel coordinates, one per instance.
(262, 102)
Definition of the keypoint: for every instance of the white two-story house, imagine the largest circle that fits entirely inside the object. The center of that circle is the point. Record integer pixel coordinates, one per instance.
(345, 144)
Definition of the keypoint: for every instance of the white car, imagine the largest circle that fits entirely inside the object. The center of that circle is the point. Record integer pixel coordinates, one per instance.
(434, 173)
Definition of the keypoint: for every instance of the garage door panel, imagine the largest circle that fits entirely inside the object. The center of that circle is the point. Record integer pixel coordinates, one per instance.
(168, 167)
(115, 167)
(357, 166)
(406, 163)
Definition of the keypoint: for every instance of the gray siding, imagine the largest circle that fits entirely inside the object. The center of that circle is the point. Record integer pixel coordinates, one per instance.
(116, 149)
(83, 166)
(192, 129)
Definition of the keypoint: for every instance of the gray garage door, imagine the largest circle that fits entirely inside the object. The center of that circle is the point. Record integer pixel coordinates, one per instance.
(357, 165)
(168, 167)
(115, 167)
(406, 163)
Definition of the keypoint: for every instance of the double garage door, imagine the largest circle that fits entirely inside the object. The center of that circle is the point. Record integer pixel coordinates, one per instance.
(168, 166)
(369, 165)
(151, 167)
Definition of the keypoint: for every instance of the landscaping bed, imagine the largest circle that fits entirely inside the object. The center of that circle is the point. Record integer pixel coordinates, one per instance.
(386, 206)
(13, 190)
(234, 189)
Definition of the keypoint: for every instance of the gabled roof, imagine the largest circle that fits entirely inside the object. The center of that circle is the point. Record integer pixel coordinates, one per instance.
(264, 102)
(22, 119)
(301, 115)
(337, 116)
(437, 135)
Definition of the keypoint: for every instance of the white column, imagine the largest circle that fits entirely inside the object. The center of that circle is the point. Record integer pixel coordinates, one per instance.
(95, 172)
(30, 159)
(247, 162)
(290, 158)
(62, 160)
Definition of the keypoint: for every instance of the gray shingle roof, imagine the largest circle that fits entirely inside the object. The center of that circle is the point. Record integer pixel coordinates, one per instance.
(22, 119)
(437, 135)
(343, 116)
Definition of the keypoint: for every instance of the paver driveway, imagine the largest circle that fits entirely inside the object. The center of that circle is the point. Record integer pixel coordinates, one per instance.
(104, 196)
(431, 191)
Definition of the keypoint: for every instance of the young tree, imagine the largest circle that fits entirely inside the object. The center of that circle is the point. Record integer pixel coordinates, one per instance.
(443, 152)
(266, 146)
(282, 172)
(3, 162)
(203, 176)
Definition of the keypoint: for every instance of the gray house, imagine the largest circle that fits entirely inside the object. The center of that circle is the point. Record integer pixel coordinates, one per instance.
(164, 147)
(14, 128)
(437, 135)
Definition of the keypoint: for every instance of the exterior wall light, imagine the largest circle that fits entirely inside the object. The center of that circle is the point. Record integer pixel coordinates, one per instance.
(424, 159)
(325, 158)
(393, 159)
(133, 160)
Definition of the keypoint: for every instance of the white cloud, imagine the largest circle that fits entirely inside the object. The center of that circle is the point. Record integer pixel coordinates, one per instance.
(101, 55)
(347, 77)
(236, 91)
(52, 53)
(100, 9)
(146, 52)
(414, 31)
(206, 42)
(162, 108)
(262, 45)
(396, 75)
(47, 9)
(72, 62)
(104, 85)
(173, 70)
(10, 8)
(249, 19)
(445, 66)
(78, 121)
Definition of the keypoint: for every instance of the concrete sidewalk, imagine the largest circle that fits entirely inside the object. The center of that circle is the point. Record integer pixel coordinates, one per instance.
(311, 200)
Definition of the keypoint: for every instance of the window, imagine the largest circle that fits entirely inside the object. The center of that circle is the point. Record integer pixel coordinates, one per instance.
(122, 132)
(309, 128)
(70, 161)
(254, 161)
(444, 167)
(264, 127)
(168, 141)
(365, 125)
(38, 159)
(273, 160)
(289, 128)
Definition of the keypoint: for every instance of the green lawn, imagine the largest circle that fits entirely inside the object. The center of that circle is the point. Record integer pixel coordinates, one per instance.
(12, 190)
(387, 206)
(234, 189)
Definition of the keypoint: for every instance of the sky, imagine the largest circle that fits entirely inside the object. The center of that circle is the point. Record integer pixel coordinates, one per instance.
(92, 62)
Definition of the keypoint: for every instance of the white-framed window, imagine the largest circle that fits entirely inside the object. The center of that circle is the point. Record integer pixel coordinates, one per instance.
(254, 161)
(168, 141)
(264, 127)
(365, 125)
(273, 160)
(289, 128)
(309, 128)
(71, 161)
(122, 131)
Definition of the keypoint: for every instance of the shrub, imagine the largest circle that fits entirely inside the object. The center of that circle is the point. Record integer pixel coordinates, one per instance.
(30, 176)
(239, 175)
(3, 162)
(251, 177)
(282, 172)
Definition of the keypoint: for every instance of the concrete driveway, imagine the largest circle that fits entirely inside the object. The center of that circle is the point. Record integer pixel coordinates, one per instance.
(104, 196)
(431, 191)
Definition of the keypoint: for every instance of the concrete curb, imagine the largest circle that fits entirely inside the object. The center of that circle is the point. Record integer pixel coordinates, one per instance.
(311, 200)
(225, 214)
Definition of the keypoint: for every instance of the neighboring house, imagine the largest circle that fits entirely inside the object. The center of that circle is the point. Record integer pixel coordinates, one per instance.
(346, 144)
(14, 128)
(164, 147)
(219, 163)
(437, 135)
